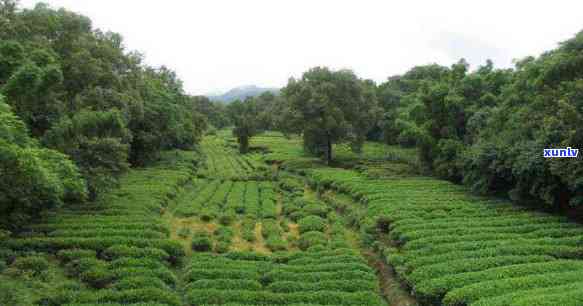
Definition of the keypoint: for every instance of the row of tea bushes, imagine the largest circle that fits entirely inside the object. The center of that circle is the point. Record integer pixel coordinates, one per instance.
(222, 162)
(223, 201)
(119, 247)
(457, 249)
(319, 278)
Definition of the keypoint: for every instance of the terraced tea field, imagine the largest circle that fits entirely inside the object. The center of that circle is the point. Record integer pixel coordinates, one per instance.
(451, 248)
(114, 252)
(225, 229)
(223, 162)
(171, 236)
(252, 240)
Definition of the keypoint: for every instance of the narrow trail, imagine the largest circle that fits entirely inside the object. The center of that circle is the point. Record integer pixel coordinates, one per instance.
(390, 287)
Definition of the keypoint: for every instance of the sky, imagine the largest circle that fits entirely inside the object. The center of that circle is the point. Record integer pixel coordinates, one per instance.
(216, 45)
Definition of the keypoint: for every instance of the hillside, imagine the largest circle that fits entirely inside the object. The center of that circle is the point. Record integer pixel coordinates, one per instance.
(242, 92)
(443, 186)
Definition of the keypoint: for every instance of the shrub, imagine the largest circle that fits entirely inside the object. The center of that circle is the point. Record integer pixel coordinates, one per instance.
(270, 228)
(35, 264)
(248, 297)
(470, 294)
(224, 233)
(316, 209)
(201, 242)
(206, 274)
(97, 277)
(330, 285)
(140, 282)
(163, 274)
(184, 232)
(10, 294)
(82, 265)
(226, 284)
(120, 251)
(297, 215)
(312, 223)
(248, 229)
(250, 256)
(133, 296)
(275, 243)
(136, 262)
(433, 290)
(207, 215)
(311, 239)
(222, 247)
(67, 256)
(226, 218)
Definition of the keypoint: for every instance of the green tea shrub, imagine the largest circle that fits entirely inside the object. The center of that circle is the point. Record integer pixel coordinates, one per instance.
(120, 251)
(164, 274)
(139, 282)
(82, 265)
(184, 232)
(201, 242)
(312, 223)
(275, 243)
(36, 265)
(226, 218)
(67, 256)
(316, 209)
(310, 239)
(97, 277)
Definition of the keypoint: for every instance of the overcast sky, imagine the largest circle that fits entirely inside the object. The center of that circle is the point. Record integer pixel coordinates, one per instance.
(217, 45)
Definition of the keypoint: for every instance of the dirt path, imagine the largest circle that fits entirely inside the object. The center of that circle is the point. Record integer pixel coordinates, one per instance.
(259, 244)
(390, 287)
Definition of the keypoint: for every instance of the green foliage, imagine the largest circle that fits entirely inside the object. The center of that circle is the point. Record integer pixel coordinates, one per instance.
(310, 239)
(329, 107)
(184, 232)
(120, 251)
(540, 109)
(312, 223)
(75, 254)
(488, 128)
(216, 112)
(35, 265)
(201, 242)
(12, 129)
(33, 179)
(98, 142)
(450, 245)
(244, 118)
(82, 93)
(97, 277)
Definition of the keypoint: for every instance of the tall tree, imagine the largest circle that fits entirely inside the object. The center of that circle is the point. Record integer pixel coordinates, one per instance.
(244, 116)
(329, 107)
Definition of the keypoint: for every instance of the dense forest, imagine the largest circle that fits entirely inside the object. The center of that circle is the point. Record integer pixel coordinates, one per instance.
(78, 110)
(117, 187)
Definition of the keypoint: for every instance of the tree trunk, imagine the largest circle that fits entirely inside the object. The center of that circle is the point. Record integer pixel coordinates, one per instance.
(329, 151)
(243, 144)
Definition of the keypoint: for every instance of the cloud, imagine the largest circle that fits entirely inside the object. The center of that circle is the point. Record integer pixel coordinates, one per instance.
(456, 46)
(221, 44)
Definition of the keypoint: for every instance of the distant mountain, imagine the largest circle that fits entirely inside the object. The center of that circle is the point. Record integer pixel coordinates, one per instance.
(241, 93)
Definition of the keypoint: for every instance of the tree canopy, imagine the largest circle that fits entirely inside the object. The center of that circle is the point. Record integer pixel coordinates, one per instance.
(329, 107)
(78, 91)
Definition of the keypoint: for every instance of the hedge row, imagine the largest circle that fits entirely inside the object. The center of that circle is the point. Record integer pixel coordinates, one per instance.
(457, 249)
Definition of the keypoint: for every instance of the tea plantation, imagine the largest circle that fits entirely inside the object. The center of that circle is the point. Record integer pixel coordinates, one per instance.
(276, 227)
(446, 246)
